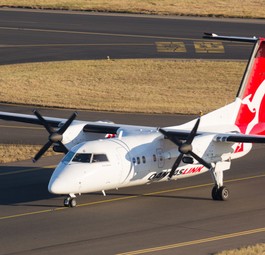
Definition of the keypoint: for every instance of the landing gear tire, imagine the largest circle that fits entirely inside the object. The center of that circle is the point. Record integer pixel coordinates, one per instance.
(215, 195)
(70, 202)
(221, 194)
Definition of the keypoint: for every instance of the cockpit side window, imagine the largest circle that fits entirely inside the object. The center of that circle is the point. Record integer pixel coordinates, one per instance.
(67, 158)
(99, 158)
(82, 157)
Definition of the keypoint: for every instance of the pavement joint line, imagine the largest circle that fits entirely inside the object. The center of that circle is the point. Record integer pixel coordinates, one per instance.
(195, 242)
(95, 33)
(123, 198)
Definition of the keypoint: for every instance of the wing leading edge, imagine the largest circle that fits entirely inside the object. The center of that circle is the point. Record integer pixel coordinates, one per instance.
(31, 119)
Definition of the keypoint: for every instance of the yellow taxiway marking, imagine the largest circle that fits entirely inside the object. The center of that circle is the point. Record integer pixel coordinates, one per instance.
(171, 47)
(27, 170)
(21, 127)
(72, 45)
(209, 47)
(122, 198)
(194, 242)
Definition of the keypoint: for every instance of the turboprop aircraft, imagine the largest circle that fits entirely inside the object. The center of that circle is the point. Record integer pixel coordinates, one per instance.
(101, 155)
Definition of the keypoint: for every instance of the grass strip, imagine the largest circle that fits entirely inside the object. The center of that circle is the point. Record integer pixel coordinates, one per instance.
(209, 8)
(18, 152)
(147, 86)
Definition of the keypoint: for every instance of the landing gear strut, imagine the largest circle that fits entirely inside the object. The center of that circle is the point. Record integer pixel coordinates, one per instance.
(219, 192)
(70, 201)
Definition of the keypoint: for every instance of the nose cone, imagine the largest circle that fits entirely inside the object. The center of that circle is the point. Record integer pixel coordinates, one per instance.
(64, 181)
(57, 186)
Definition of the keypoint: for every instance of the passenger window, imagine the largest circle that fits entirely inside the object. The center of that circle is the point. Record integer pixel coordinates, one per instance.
(143, 159)
(154, 157)
(134, 160)
(138, 160)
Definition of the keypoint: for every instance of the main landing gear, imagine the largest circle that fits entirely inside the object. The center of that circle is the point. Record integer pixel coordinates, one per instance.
(219, 192)
(70, 201)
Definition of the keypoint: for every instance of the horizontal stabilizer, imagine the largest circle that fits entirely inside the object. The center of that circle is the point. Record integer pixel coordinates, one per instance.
(230, 38)
(240, 138)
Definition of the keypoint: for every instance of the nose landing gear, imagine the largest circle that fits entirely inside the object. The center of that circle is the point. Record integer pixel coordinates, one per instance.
(70, 201)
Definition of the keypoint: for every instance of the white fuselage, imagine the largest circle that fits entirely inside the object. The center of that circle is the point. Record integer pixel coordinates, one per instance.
(132, 160)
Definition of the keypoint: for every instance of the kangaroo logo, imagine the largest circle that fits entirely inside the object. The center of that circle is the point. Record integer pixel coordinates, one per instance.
(254, 105)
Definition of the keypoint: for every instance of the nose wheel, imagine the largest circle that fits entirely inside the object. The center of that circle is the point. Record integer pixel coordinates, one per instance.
(70, 202)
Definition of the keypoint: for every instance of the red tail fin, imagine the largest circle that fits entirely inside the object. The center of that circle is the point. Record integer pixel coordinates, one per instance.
(251, 114)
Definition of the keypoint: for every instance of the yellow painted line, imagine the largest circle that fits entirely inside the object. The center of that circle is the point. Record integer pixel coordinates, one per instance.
(195, 242)
(73, 45)
(27, 170)
(32, 213)
(124, 198)
(21, 127)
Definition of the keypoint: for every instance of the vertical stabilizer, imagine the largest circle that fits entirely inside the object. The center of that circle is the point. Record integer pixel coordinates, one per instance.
(251, 115)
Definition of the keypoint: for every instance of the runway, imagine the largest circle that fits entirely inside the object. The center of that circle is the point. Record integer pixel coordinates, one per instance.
(33, 36)
(175, 217)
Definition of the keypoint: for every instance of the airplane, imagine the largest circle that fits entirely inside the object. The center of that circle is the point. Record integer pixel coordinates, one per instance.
(102, 156)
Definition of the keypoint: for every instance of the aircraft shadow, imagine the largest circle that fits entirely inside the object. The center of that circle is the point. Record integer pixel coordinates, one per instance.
(153, 196)
(24, 184)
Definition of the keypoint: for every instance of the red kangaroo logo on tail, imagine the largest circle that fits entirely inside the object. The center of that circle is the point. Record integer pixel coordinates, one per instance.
(254, 105)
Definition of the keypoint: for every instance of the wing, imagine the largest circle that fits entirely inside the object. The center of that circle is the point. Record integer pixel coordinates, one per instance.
(97, 127)
(219, 137)
(32, 119)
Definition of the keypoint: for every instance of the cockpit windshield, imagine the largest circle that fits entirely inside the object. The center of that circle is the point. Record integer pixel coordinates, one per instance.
(89, 158)
(82, 157)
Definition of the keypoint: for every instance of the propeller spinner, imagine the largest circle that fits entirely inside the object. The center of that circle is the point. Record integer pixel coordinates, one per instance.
(185, 148)
(55, 136)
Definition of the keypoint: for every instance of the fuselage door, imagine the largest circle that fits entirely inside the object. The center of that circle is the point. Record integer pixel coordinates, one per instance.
(124, 163)
(160, 158)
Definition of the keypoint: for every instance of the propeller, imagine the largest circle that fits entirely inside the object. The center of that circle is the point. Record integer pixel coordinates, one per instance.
(55, 136)
(185, 148)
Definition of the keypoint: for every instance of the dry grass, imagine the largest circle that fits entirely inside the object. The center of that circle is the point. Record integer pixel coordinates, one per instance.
(12, 153)
(258, 249)
(232, 8)
(149, 86)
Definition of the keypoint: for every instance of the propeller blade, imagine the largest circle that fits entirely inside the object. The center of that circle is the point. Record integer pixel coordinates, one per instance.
(175, 166)
(55, 136)
(67, 123)
(200, 160)
(193, 132)
(42, 151)
(173, 139)
(43, 121)
(65, 150)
